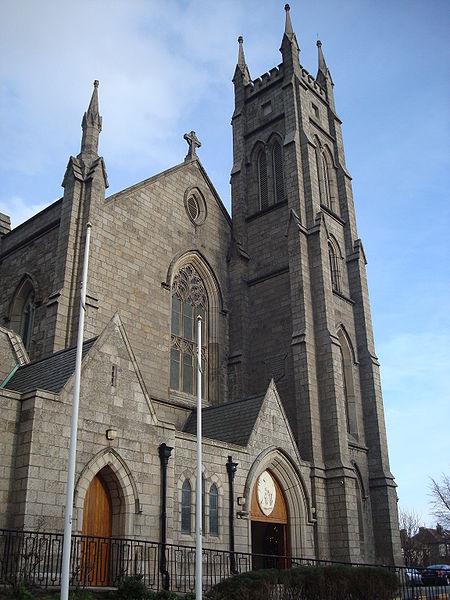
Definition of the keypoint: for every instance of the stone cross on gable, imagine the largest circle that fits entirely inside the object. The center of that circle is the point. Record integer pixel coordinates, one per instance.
(193, 143)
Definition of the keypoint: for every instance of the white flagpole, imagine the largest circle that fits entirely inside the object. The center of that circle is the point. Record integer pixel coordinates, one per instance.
(65, 573)
(198, 499)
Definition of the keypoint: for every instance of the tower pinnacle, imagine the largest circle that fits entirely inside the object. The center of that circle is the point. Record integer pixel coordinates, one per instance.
(289, 45)
(324, 75)
(322, 64)
(92, 125)
(288, 27)
(241, 64)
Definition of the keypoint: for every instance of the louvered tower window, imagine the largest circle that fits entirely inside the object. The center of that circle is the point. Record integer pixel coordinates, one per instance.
(334, 269)
(277, 165)
(262, 180)
(326, 183)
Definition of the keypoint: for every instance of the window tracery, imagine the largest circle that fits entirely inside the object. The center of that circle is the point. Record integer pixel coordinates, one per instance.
(189, 300)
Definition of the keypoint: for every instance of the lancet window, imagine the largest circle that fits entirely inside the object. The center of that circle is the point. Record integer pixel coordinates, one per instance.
(262, 180)
(360, 501)
(326, 174)
(348, 384)
(335, 270)
(270, 175)
(277, 167)
(213, 510)
(189, 300)
(22, 311)
(186, 500)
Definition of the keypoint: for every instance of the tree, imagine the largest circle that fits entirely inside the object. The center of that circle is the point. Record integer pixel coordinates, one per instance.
(413, 552)
(440, 499)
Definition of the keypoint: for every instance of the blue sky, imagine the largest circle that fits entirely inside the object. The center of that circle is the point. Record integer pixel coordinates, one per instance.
(165, 67)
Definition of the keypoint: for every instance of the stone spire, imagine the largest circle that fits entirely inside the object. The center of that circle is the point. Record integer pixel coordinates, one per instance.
(241, 64)
(92, 125)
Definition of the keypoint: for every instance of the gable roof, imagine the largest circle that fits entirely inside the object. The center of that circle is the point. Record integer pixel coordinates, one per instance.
(232, 422)
(173, 169)
(49, 373)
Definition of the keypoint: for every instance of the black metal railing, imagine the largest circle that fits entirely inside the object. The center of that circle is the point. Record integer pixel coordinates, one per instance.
(35, 558)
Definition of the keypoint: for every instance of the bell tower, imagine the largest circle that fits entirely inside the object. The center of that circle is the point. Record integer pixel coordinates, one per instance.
(300, 306)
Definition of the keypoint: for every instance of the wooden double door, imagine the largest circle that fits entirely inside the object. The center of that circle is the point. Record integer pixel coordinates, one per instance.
(270, 539)
(97, 526)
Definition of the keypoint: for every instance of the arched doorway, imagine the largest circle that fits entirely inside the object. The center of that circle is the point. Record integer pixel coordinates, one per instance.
(97, 526)
(269, 520)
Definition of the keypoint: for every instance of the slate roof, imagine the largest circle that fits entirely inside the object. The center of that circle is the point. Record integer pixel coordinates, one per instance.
(49, 373)
(232, 422)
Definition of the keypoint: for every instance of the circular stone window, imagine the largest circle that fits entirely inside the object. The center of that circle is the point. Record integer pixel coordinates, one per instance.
(195, 206)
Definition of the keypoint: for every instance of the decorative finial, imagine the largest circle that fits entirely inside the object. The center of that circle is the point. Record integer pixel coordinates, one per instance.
(240, 39)
(96, 83)
(193, 143)
(319, 44)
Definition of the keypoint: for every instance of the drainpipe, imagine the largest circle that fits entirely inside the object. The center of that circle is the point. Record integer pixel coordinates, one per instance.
(231, 470)
(164, 455)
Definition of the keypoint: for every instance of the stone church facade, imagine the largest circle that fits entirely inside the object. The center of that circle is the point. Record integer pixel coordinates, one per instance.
(293, 419)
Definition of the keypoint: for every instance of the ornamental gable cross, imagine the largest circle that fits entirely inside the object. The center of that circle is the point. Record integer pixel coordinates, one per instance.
(193, 143)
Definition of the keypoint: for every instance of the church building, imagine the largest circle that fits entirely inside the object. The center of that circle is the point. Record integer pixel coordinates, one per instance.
(295, 457)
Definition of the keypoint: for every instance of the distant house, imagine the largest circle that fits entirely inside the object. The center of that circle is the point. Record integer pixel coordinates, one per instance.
(434, 544)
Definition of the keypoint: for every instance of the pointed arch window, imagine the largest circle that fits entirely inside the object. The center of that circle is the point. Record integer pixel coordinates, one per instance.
(359, 494)
(326, 183)
(277, 167)
(22, 312)
(326, 174)
(348, 384)
(186, 501)
(213, 510)
(346, 398)
(262, 180)
(335, 270)
(189, 300)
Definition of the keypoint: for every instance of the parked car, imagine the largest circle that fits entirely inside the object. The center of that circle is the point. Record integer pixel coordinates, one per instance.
(413, 577)
(436, 575)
